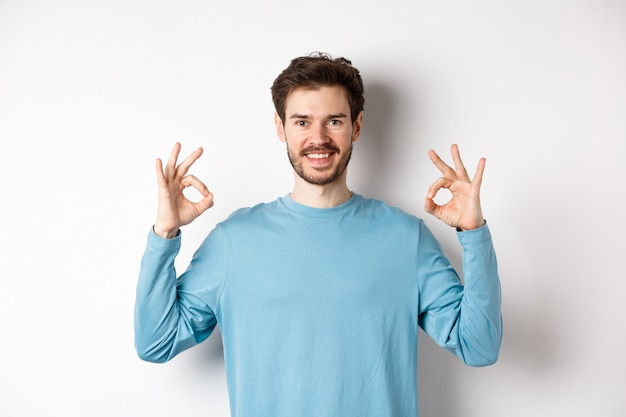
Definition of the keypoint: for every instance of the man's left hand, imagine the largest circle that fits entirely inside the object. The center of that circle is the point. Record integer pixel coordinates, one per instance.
(463, 210)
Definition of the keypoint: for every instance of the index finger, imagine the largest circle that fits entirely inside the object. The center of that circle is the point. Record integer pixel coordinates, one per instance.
(445, 169)
(182, 169)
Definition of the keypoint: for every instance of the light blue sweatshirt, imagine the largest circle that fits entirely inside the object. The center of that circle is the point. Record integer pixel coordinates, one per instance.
(319, 308)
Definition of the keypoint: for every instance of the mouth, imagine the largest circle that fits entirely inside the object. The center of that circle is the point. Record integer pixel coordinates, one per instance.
(319, 159)
(318, 155)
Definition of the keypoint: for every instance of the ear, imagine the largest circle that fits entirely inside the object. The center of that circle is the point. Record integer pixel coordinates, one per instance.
(356, 127)
(280, 128)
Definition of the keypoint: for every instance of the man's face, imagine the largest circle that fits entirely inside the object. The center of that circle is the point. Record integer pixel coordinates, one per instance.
(319, 133)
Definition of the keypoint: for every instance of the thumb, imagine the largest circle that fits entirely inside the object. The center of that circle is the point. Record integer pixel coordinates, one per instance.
(206, 202)
(429, 205)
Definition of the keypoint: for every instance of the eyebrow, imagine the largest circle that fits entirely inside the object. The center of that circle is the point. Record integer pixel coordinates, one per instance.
(330, 116)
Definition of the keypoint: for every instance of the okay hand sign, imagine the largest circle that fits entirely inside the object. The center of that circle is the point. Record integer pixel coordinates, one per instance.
(463, 210)
(174, 209)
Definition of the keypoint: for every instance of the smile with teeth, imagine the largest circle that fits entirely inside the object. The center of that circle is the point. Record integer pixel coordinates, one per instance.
(318, 155)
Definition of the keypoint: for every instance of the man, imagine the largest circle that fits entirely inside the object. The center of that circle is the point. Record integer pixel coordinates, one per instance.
(319, 294)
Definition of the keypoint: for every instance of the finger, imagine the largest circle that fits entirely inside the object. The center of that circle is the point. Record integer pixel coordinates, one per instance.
(159, 172)
(206, 203)
(192, 181)
(445, 169)
(478, 176)
(182, 169)
(438, 185)
(458, 163)
(207, 200)
(170, 168)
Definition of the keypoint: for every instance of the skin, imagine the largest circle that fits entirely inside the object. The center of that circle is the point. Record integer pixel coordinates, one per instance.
(463, 210)
(319, 135)
(317, 122)
(174, 208)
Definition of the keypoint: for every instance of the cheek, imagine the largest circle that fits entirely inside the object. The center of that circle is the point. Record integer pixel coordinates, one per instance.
(294, 136)
(349, 136)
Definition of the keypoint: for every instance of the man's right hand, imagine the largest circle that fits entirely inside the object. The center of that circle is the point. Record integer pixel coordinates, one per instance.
(174, 209)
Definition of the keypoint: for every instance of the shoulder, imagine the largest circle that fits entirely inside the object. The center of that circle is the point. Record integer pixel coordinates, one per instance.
(380, 210)
(251, 215)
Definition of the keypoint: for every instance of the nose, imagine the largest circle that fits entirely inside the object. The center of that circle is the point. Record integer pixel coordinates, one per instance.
(319, 133)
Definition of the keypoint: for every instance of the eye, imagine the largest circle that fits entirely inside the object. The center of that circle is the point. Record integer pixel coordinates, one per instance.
(300, 122)
(334, 122)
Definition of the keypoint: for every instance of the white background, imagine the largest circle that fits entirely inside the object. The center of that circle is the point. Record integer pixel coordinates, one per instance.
(91, 92)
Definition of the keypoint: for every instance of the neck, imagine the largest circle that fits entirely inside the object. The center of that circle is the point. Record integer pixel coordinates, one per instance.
(320, 196)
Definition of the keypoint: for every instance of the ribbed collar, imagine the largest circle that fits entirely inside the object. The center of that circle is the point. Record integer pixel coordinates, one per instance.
(298, 208)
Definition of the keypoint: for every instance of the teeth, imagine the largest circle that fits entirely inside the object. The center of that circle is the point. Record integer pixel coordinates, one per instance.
(318, 155)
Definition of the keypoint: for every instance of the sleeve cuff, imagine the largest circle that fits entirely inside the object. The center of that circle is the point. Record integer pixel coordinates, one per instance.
(479, 234)
(458, 229)
(157, 242)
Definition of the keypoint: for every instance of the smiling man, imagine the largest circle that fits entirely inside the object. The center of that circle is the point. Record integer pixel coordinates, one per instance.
(319, 133)
(320, 293)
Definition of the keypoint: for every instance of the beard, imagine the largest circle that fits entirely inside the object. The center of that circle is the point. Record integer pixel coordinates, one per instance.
(324, 177)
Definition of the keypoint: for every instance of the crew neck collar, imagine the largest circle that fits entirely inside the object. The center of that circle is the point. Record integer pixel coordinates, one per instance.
(299, 208)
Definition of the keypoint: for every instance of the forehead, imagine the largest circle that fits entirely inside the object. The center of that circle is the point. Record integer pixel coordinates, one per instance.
(328, 99)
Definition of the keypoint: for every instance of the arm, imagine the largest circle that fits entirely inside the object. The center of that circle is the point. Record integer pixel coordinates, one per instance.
(466, 319)
(171, 314)
(166, 321)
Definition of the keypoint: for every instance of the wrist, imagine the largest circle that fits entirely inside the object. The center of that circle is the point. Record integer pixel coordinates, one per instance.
(459, 229)
(165, 233)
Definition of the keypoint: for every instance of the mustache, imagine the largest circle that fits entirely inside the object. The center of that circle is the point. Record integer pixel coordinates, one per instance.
(320, 149)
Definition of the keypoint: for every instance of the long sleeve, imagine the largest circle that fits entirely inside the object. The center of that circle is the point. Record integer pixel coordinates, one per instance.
(168, 318)
(464, 318)
(321, 306)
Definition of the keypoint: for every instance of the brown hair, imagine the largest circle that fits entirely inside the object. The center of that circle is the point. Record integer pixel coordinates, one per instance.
(317, 70)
